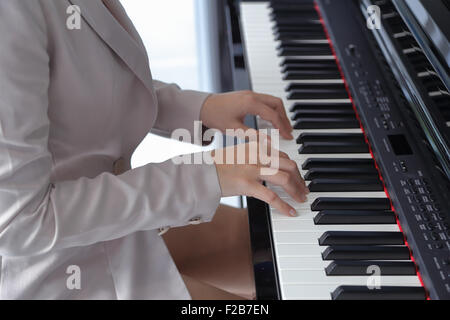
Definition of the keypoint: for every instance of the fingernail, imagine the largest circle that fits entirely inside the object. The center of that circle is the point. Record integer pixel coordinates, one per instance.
(293, 213)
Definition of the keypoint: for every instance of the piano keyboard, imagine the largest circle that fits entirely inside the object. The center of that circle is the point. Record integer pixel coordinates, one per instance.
(346, 227)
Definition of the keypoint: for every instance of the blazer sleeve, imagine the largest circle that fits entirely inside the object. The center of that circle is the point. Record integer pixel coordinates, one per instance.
(38, 216)
(178, 109)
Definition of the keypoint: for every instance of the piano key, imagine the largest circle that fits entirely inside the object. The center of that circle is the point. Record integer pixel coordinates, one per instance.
(300, 60)
(317, 113)
(351, 204)
(366, 253)
(305, 207)
(293, 21)
(308, 34)
(340, 173)
(315, 86)
(360, 268)
(352, 238)
(326, 137)
(384, 293)
(309, 256)
(338, 163)
(283, 15)
(311, 74)
(319, 277)
(331, 217)
(332, 147)
(322, 106)
(303, 262)
(288, 5)
(327, 123)
(302, 50)
(317, 93)
(301, 226)
(345, 185)
(309, 66)
(276, 29)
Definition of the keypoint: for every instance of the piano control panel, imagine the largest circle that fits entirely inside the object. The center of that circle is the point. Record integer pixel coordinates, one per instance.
(401, 154)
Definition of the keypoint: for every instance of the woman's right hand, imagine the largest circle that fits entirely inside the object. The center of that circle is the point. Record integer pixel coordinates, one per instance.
(245, 178)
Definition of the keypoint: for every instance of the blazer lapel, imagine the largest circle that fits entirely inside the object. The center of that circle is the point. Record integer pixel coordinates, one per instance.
(129, 49)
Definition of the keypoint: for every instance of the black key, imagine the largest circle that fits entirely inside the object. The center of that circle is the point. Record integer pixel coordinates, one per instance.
(364, 238)
(291, 5)
(333, 147)
(294, 43)
(289, 21)
(293, 23)
(320, 113)
(316, 27)
(345, 185)
(283, 15)
(304, 35)
(384, 293)
(312, 75)
(298, 60)
(338, 163)
(341, 173)
(306, 50)
(282, 7)
(351, 204)
(331, 137)
(327, 123)
(339, 217)
(315, 86)
(317, 93)
(309, 66)
(322, 106)
(362, 268)
(366, 253)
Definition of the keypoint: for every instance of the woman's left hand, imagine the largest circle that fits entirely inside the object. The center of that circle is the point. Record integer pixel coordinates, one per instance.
(228, 110)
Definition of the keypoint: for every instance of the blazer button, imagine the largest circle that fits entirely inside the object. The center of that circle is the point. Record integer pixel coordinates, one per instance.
(195, 221)
(119, 167)
(162, 231)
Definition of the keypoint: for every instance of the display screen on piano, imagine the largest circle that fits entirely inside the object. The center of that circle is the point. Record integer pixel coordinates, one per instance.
(366, 84)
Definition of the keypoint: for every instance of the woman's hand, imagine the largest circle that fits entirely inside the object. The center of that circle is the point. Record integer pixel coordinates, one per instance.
(228, 110)
(246, 179)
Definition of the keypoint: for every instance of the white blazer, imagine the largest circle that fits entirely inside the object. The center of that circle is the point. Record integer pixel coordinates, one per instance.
(74, 104)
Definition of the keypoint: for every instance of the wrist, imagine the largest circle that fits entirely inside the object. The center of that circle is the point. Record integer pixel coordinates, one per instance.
(205, 111)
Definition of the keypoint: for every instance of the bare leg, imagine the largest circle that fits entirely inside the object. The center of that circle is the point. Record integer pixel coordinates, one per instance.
(216, 253)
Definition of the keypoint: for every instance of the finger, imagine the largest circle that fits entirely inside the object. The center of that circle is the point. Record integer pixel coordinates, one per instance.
(243, 132)
(277, 104)
(271, 115)
(291, 166)
(251, 135)
(282, 154)
(287, 181)
(260, 192)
